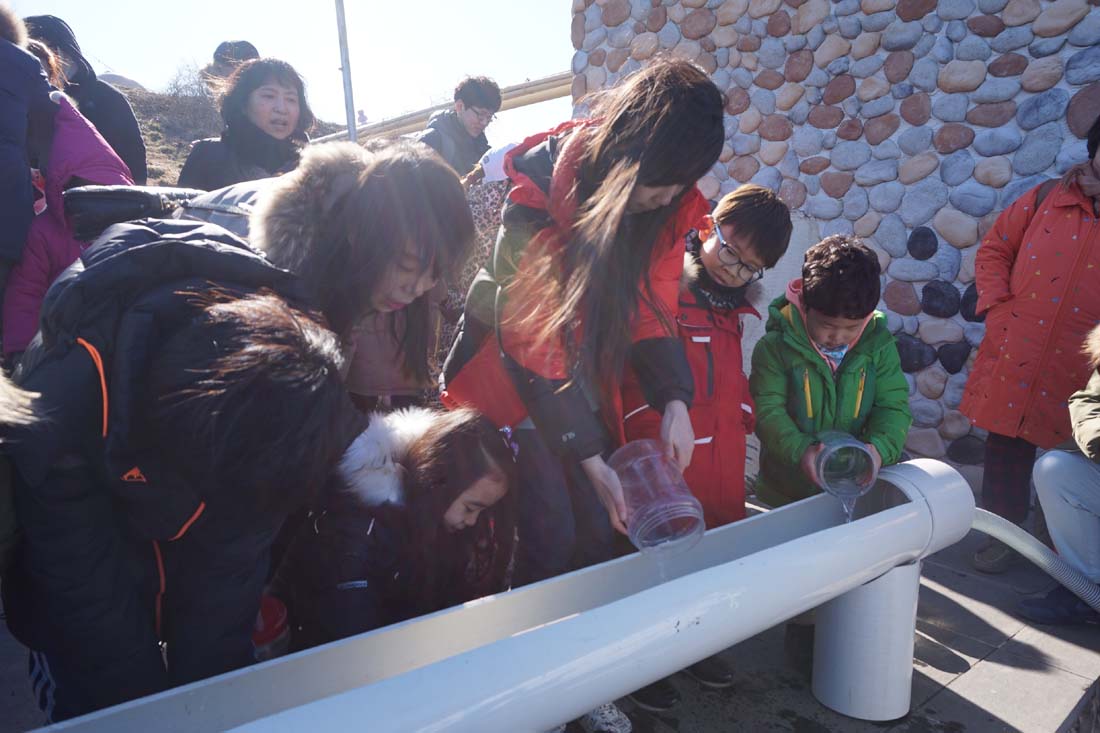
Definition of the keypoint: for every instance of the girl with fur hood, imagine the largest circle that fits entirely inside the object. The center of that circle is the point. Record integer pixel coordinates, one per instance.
(422, 520)
(371, 232)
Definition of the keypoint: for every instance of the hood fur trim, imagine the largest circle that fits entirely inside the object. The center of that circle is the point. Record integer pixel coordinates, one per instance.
(284, 224)
(371, 466)
(1092, 347)
(692, 269)
(12, 28)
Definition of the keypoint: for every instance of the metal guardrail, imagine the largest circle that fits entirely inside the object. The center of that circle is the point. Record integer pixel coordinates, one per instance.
(517, 95)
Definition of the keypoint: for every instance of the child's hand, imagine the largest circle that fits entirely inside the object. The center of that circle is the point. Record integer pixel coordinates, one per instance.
(807, 462)
(677, 433)
(875, 457)
(608, 488)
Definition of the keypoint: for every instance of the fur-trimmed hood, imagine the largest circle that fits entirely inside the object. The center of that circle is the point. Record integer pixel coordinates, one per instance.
(693, 268)
(371, 466)
(285, 221)
(12, 28)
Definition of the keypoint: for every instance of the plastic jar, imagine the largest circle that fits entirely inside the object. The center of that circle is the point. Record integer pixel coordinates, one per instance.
(662, 513)
(844, 467)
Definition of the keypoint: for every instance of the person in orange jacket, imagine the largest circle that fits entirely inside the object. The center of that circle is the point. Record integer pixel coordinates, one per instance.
(1036, 276)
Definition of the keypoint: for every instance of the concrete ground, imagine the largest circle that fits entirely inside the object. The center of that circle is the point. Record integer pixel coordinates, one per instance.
(978, 669)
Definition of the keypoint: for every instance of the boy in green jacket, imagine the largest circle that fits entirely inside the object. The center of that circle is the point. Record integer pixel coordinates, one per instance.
(827, 362)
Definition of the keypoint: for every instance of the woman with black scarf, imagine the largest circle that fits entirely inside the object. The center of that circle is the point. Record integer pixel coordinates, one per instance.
(266, 119)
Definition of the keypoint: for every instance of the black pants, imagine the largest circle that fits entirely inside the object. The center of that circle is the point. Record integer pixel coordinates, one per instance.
(562, 524)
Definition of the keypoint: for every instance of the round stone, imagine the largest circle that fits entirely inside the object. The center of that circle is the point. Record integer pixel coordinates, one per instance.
(900, 36)
(775, 127)
(850, 129)
(914, 354)
(813, 166)
(779, 24)
(992, 115)
(969, 303)
(924, 75)
(918, 167)
(832, 48)
(985, 25)
(798, 66)
(952, 137)
(744, 168)
(1019, 12)
(823, 207)
(839, 89)
(737, 101)
(890, 235)
(881, 128)
(901, 297)
(909, 10)
(730, 11)
(698, 23)
(873, 108)
(1083, 109)
(769, 178)
(950, 107)
(925, 442)
(998, 141)
(788, 96)
(938, 331)
(850, 155)
(615, 12)
(876, 22)
(763, 8)
(855, 203)
(886, 150)
(962, 76)
(955, 424)
(973, 48)
(917, 109)
(745, 144)
(956, 167)
(1010, 64)
(1087, 32)
(912, 270)
(956, 228)
(772, 54)
(836, 183)
(769, 79)
(792, 192)
(886, 197)
(1059, 17)
(940, 299)
(995, 90)
(644, 45)
(876, 172)
(915, 140)
(772, 151)
(872, 88)
(1011, 39)
(969, 450)
(1084, 66)
(748, 44)
(955, 9)
(948, 261)
(922, 243)
(825, 117)
(1042, 108)
(897, 66)
(865, 226)
(995, 172)
(956, 31)
(1039, 149)
(943, 49)
(1042, 74)
(926, 413)
(750, 120)
(865, 45)
(930, 383)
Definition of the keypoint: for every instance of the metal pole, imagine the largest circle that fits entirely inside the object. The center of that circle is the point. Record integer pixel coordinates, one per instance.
(345, 67)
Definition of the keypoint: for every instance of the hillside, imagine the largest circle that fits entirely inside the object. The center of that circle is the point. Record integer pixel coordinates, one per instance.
(170, 123)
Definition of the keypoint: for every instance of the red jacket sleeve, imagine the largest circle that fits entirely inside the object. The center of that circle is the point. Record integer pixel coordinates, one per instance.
(997, 252)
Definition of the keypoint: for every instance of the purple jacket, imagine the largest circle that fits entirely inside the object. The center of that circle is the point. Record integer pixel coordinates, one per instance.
(78, 151)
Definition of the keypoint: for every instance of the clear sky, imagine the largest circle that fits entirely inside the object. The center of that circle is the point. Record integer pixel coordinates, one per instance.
(405, 54)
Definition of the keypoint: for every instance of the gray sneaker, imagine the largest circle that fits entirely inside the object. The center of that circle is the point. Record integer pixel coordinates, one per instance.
(606, 719)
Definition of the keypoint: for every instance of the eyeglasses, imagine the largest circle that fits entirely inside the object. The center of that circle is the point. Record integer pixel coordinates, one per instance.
(729, 258)
(483, 116)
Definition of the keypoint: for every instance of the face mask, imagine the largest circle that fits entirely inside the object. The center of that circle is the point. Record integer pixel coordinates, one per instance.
(834, 355)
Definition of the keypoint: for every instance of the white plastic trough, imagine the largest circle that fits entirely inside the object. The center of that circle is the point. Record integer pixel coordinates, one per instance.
(544, 654)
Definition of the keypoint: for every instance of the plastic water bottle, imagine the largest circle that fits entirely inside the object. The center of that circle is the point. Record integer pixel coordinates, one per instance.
(663, 516)
(844, 468)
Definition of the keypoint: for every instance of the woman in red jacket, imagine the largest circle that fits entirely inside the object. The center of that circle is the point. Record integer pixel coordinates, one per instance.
(1036, 276)
(584, 280)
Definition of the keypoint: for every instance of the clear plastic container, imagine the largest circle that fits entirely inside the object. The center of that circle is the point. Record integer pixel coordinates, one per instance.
(663, 514)
(844, 468)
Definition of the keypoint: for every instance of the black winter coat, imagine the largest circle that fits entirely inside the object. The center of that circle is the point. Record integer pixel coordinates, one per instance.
(24, 98)
(116, 554)
(245, 154)
(449, 138)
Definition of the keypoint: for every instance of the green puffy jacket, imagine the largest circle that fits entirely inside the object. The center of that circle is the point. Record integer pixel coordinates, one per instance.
(798, 397)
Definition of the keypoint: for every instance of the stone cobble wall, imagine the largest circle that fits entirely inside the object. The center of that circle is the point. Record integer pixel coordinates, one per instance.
(911, 123)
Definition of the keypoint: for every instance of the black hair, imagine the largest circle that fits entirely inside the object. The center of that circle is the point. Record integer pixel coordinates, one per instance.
(841, 277)
(247, 402)
(250, 76)
(759, 215)
(478, 91)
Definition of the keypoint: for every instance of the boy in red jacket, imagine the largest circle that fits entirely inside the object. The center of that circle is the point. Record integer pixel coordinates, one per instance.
(747, 234)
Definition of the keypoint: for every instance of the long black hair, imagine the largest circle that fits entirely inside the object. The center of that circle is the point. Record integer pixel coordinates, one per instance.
(250, 76)
(662, 127)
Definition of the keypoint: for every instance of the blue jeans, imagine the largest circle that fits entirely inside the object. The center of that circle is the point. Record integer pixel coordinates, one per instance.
(562, 524)
(1068, 486)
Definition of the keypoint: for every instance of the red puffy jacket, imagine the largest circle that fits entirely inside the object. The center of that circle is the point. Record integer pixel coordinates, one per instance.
(722, 413)
(539, 216)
